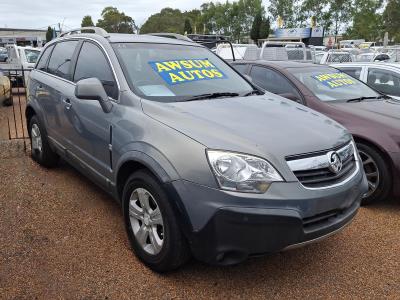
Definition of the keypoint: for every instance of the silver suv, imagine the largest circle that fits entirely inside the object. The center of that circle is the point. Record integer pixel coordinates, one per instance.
(202, 162)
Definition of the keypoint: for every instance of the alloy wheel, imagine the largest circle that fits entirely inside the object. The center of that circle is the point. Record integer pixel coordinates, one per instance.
(371, 171)
(36, 138)
(146, 221)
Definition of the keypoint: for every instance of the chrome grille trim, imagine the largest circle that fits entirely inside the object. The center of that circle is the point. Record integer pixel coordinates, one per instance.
(321, 161)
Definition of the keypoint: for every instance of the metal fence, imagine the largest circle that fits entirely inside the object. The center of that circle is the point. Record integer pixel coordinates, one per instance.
(15, 105)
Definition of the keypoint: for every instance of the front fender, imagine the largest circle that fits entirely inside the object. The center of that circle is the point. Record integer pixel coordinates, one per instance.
(150, 157)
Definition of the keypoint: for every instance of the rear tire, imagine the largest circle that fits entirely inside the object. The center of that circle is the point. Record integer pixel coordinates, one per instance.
(159, 244)
(378, 174)
(41, 151)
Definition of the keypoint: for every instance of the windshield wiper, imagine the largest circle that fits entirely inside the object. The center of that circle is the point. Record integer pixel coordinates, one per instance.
(211, 96)
(253, 92)
(359, 99)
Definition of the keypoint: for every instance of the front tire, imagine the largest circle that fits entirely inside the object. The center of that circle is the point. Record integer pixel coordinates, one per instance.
(377, 172)
(151, 224)
(41, 151)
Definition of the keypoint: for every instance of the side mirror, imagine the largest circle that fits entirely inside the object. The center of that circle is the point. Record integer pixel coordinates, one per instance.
(92, 89)
(290, 96)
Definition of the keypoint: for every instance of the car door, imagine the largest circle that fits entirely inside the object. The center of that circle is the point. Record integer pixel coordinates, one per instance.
(274, 82)
(89, 132)
(53, 86)
(384, 80)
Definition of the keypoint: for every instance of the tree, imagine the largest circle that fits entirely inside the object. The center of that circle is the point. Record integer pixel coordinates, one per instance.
(391, 20)
(265, 28)
(340, 12)
(114, 21)
(367, 23)
(255, 28)
(284, 9)
(316, 10)
(167, 20)
(87, 21)
(187, 27)
(49, 34)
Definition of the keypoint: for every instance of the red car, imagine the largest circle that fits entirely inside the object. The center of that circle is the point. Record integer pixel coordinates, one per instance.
(372, 118)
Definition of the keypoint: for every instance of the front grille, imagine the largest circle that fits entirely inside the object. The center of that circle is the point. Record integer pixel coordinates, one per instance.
(315, 170)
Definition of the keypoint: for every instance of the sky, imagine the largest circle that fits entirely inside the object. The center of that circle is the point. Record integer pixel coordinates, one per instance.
(38, 14)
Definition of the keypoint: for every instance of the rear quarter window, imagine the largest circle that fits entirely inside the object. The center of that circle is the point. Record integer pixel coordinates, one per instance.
(60, 60)
(42, 64)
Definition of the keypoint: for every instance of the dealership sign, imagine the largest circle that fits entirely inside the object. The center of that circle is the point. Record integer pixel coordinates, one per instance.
(302, 33)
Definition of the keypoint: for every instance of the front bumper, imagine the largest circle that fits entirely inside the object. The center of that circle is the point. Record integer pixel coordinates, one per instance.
(226, 227)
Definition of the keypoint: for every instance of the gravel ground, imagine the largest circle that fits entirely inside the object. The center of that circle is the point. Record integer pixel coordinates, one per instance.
(62, 237)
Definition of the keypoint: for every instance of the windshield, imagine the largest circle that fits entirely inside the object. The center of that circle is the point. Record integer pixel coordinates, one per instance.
(329, 84)
(31, 55)
(170, 73)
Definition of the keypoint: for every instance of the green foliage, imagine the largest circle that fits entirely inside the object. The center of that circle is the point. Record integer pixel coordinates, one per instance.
(187, 27)
(49, 34)
(115, 21)
(87, 21)
(255, 28)
(286, 10)
(167, 20)
(233, 19)
(265, 28)
(367, 24)
(391, 20)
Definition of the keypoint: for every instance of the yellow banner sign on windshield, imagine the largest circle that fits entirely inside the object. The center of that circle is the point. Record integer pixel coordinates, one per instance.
(186, 70)
(335, 80)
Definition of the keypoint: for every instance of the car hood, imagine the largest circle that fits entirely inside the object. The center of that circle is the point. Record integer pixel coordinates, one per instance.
(260, 125)
(385, 112)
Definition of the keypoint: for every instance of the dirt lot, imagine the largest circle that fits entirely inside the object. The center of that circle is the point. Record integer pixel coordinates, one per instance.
(62, 237)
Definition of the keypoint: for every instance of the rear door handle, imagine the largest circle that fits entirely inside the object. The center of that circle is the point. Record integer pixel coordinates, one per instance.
(67, 103)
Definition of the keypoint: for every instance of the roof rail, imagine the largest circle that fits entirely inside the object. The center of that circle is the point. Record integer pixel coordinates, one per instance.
(172, 35)
(95, 30)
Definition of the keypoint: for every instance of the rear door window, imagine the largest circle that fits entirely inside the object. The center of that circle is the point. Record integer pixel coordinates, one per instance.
(42, 64)
(60, 60)
(353, 71)
(385, 81)
(273, 82)
(92, 63)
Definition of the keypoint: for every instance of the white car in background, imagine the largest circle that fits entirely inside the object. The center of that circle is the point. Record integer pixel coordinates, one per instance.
(383, 77)
(20, 58)
(372, 56)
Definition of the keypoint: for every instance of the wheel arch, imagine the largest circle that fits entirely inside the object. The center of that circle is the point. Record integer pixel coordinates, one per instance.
(133, 161)
(29, 113)
(139, 161)
(380, 149)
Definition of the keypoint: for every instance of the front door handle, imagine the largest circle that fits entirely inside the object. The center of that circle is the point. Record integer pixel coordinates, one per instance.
(67, 103)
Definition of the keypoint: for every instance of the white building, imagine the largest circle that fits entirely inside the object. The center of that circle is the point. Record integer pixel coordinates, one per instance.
(23, 37)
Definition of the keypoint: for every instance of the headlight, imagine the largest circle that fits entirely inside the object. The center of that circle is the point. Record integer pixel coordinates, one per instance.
(242, 172)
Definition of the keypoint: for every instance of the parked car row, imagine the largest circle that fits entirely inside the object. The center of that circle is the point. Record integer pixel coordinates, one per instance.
(204, 161)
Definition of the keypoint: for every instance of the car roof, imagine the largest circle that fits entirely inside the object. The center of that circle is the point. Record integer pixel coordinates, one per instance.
(395, 65)
(284, 64)
(129, 38)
